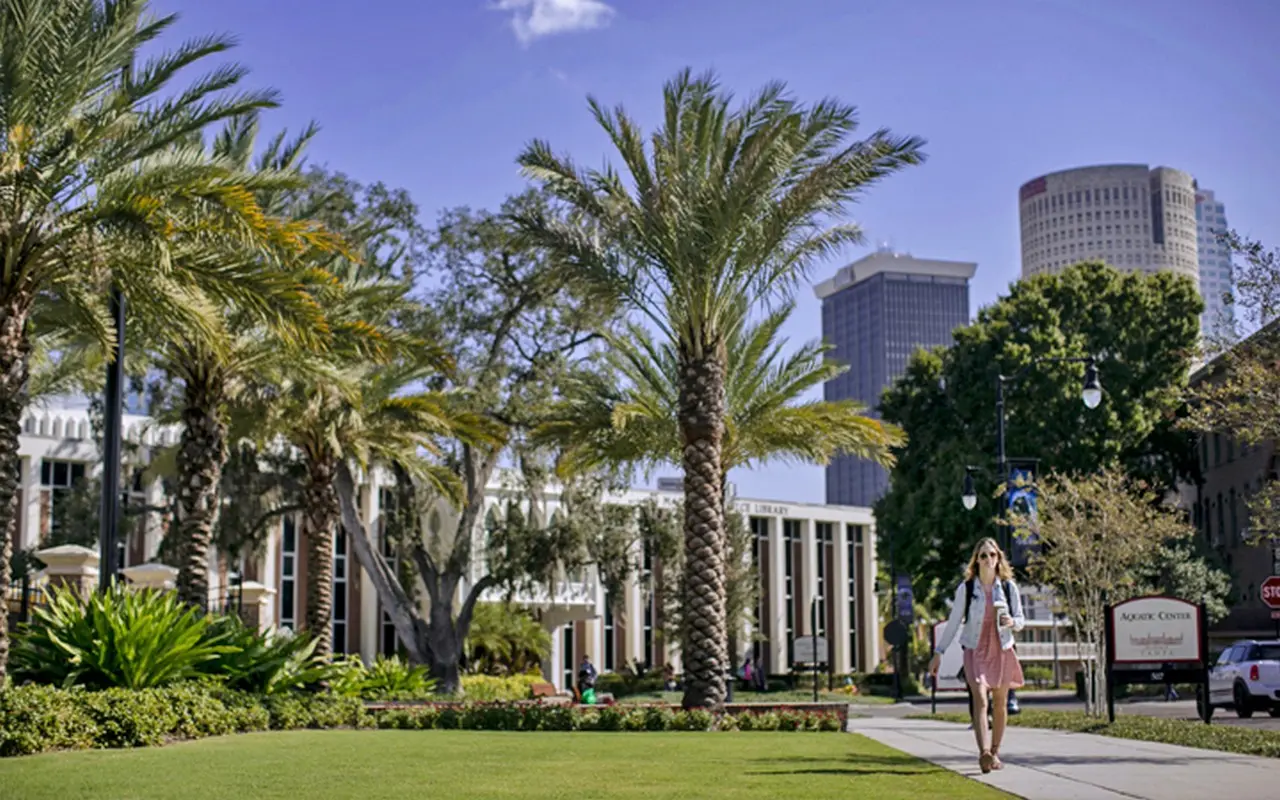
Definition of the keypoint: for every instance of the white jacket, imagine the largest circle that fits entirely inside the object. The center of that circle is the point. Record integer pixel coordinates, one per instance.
(971, 630)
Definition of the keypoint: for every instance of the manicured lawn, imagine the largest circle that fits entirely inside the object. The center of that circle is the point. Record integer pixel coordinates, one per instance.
(766, 697)
(309, 765)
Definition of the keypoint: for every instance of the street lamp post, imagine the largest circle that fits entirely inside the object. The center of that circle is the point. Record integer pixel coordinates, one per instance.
(1090, 395)
(112, 445)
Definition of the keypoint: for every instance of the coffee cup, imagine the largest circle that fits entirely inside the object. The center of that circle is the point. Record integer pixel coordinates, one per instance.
(1001, 609)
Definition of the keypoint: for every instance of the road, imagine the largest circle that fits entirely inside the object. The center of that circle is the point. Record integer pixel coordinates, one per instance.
(1063, 701)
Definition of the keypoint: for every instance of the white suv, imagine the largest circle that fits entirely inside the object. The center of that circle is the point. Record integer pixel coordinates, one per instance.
(1246, 677)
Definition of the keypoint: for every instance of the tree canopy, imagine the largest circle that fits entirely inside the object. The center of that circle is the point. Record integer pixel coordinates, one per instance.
(1143, 331)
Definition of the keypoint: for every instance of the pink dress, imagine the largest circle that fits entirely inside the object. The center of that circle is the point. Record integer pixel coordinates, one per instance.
(988, 665)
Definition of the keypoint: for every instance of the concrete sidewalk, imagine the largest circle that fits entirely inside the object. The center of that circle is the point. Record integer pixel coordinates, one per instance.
(1054, 765)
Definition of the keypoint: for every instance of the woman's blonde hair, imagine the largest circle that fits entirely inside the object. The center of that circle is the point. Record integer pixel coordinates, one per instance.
(1003, 571)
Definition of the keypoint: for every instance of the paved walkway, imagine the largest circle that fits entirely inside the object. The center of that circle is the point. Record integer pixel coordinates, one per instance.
(1053, 765)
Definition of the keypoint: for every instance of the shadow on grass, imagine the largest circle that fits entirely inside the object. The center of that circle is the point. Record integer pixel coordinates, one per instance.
(904, 765)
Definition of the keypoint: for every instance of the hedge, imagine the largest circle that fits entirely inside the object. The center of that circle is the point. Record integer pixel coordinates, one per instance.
(36, 719)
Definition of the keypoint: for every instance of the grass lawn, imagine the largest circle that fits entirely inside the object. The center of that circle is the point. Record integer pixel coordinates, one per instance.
(482, 764)
(798, 696)
(1231, 739)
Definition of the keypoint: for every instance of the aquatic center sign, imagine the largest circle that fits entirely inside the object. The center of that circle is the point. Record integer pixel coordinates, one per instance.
(1155, 629)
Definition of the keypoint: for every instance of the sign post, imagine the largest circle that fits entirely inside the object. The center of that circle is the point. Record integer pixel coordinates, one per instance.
(1271, 598)
(1156, 639)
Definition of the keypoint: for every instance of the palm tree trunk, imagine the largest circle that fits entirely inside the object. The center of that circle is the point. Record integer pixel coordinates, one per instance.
(701, 412)
(15, 348)
(323, 513)
(203, 454)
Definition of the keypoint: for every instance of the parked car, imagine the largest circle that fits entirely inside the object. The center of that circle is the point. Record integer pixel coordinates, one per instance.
(1246, 677)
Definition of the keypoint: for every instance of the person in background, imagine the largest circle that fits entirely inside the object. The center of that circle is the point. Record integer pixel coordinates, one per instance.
(986, 612)
(586, 679)
(747, 671)
(669, 678)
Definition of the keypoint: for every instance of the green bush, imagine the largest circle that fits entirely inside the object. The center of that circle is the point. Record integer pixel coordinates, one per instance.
(625, 685)
(123, 637)
(38, 718)
(386, 679)
(495, 689)
(264, 663)
(1037, 674)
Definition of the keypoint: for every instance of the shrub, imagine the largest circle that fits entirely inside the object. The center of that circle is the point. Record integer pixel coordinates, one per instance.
(123, 637)
(1037, 674)
(495, 689)
(265, 663)
(38, 718)
(386, 679)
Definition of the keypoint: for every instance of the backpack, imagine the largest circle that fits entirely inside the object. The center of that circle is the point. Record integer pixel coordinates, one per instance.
(969, 593)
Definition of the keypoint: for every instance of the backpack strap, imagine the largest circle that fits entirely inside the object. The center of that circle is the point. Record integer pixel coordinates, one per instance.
(968, 598)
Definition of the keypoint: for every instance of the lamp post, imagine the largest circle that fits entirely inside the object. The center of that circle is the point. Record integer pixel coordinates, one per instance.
(1090, 395)
(113, 422)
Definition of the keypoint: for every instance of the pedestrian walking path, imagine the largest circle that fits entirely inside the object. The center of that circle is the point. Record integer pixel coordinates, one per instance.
(1054, 765)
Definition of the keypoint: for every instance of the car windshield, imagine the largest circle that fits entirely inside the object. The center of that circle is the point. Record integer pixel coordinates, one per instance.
(1268, 652)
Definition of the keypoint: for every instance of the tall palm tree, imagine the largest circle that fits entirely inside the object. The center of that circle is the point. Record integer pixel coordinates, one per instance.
(212, 374)
(97, 185)
(719, 207)
(604, 422)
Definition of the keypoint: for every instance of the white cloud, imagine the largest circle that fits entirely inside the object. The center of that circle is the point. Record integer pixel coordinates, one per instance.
(533, 19)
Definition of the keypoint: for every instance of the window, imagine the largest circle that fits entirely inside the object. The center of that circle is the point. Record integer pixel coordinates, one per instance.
(854, 534)
(790, 536)
(566, 657)
(824, 538)
(57, 480)
(289, 573)
(389, 641)
(340, 591)
(609, 634)
(650, 603)
(1234, 531)
(1217, 449)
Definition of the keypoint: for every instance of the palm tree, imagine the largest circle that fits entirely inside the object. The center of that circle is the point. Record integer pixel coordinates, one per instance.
(212, 374)
(98, 183)
(603, 422)
(720, 207)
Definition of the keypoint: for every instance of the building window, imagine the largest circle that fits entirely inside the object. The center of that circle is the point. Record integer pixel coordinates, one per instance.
(790, 536)
(759, 556)
(1217, 449)
(824, 536)
(57, 480)
(650, 602)
(1233, 533)
(854, 534)
(340, 591)
(388, 629)
(289, 573)
(610, 643)
(566, 656)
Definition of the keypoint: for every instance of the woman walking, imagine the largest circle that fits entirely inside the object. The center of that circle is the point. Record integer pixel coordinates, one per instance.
(986, 612)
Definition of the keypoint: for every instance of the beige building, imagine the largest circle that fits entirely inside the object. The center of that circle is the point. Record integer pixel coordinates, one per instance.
(1127, 215)
(804, 553)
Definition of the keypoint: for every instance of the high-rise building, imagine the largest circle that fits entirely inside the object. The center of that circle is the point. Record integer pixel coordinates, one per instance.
(876, 312)
(1127, 215)
(1216, 278)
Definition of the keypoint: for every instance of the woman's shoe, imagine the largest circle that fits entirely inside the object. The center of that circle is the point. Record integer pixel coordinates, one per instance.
(996, 763)
(985, 761)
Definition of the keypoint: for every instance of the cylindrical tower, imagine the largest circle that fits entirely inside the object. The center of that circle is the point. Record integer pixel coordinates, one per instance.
(1127, 215)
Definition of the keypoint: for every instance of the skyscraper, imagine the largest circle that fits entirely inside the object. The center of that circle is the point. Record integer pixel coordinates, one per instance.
(1216, 278)
(876, 312)
(1127, 215)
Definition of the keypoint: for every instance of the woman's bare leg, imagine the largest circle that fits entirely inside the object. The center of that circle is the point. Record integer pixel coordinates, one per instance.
(979, 694)
(1000, 714)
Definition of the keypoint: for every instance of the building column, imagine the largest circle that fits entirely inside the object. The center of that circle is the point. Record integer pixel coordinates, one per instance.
(31, 534)
(839, 639)
(153, 528)
(809, 572)
(370, 501)
(777, 644)
(870, 602)
(634, 640)
(270, 573)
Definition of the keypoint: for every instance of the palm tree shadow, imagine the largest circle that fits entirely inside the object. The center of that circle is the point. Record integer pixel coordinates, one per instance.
(852, 765)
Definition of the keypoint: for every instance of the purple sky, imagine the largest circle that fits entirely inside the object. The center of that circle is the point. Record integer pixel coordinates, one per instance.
(439, 97)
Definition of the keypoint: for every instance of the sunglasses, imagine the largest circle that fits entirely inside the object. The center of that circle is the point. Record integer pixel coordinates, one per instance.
(985, 556)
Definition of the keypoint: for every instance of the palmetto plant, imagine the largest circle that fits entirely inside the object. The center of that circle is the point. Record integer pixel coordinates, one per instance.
(719, 207)
(504, 639)
(264, 662)
(119, 638)
(100, 186)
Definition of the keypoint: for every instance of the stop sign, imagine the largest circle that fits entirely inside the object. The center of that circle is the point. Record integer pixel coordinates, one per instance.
(1271, 592)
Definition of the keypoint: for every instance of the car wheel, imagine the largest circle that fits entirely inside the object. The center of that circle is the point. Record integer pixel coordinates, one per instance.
(1242, 701)
(1275, 711)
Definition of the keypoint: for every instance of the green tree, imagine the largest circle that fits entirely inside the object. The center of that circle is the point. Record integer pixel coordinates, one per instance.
(1143, 330)
(505, 639)
(720, 207)
(99, 184)
(515, 331)
(207, 375)
(1101, 533)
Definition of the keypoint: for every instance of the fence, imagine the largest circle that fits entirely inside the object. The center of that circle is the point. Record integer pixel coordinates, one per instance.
(22, 599)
